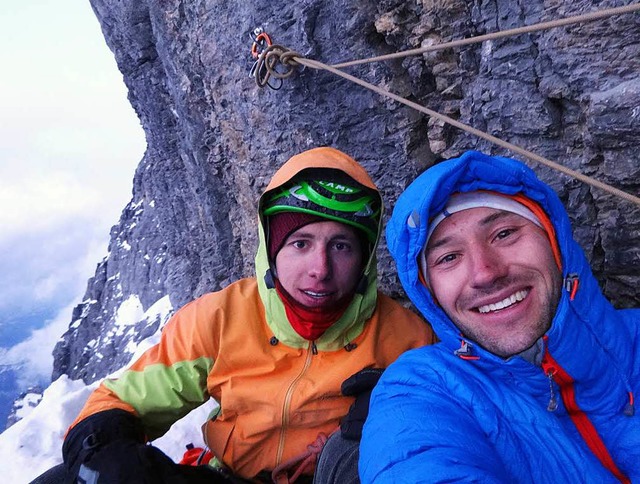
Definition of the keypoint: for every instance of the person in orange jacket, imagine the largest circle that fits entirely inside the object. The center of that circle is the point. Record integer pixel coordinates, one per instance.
(273, 350)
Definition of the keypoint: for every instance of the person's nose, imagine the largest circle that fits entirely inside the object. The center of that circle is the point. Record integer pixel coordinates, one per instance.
(486, 267)
(320, 263)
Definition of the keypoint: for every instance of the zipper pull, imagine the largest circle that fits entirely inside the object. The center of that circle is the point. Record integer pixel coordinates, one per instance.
(571, 283)
(314, 348)
(553, 402)
(465, 351)
(629, 408)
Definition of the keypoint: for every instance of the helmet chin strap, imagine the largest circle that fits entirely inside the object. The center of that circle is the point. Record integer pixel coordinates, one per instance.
(269, 278)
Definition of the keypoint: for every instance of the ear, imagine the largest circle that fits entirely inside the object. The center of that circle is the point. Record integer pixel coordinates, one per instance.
(423, 281)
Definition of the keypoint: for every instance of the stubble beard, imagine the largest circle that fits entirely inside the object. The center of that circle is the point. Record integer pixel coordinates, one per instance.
(521, 338)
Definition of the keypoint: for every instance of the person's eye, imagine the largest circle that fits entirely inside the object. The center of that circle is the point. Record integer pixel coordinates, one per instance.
(504, 233)
(342, 246)
(299, 244)
(446, 259)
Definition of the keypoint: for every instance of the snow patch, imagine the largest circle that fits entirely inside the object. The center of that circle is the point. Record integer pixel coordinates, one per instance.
(161, 309)
(34, 444)
(129, 313)
(25, 406)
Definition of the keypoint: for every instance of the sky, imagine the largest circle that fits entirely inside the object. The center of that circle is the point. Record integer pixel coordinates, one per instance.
(69, 145)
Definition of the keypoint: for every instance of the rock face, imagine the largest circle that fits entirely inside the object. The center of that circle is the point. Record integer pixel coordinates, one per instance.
(571, 94)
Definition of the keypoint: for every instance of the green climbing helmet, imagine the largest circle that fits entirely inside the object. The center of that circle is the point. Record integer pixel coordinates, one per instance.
(336, 198)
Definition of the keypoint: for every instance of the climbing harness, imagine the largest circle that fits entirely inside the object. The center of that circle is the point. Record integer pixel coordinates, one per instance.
(290, 470)
(276, 61)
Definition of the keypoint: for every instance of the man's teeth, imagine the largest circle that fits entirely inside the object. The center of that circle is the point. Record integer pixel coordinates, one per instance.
(505, 303)
(316, 294)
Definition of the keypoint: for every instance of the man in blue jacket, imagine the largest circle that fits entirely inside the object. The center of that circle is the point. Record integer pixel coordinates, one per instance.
(535, 376)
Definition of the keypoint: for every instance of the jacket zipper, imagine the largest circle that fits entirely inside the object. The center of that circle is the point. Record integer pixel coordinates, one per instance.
(311, 350)
(590, 435)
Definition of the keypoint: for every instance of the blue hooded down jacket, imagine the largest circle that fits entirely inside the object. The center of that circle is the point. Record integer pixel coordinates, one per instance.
(454, 412)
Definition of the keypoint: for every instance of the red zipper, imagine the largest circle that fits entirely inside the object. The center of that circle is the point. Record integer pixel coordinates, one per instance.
(588, 432)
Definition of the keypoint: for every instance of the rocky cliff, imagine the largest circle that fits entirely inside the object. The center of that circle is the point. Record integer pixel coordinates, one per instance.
(571, 94)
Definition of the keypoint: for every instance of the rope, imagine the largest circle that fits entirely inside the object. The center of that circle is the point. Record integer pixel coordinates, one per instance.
(587, 17)
(477, 132)
(277, 55)
(269, 61)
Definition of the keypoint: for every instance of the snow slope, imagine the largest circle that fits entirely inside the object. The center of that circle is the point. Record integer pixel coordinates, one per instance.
(34, 444)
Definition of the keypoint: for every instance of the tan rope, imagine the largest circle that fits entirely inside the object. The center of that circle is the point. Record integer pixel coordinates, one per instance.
(587, 17)
(268, 62)
(276, 55)
(481, 134)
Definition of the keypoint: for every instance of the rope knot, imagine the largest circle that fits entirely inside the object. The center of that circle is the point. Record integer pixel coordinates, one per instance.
(275, 61)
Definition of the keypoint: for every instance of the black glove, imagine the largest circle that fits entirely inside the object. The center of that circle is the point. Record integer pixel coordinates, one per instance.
(360, 386)
(108, 448)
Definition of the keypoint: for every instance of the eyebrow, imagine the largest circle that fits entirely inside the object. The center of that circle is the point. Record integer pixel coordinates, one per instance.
(310, 235)
(497, 215)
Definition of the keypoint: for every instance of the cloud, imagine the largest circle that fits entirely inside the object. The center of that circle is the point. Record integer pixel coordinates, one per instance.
(69, 139)
(48, 266)
(42, 202)
(34, 355)
(69, 145)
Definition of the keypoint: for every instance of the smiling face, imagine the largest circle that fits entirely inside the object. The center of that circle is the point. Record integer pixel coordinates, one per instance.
(494, 274)
(320, 263)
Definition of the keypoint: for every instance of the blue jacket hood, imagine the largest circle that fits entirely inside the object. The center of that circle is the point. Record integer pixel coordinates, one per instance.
(427, 196)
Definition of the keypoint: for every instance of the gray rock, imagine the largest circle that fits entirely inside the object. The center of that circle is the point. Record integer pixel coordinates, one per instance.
(214, 138)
